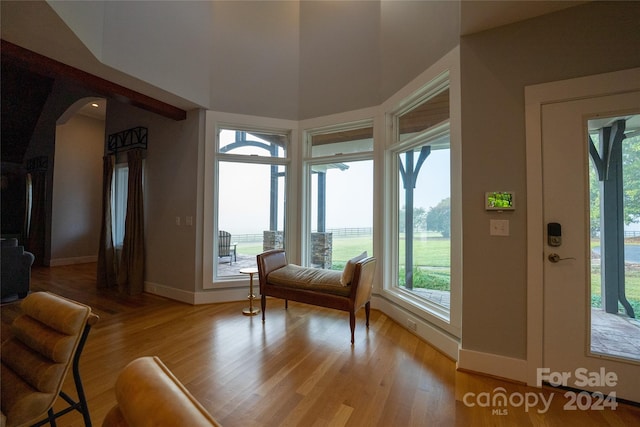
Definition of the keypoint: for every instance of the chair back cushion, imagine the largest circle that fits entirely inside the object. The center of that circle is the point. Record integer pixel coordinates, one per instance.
(37, 357)
(224, 243)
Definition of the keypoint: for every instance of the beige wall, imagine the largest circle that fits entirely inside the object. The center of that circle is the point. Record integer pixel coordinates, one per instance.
(77, 191)
(42, 143)
(496, 66)
(170, 191)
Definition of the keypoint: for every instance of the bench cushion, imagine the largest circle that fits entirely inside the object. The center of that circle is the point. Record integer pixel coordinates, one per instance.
(312, 279)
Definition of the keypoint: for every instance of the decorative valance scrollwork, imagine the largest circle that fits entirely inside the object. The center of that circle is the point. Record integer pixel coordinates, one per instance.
(39, 163)
(127, 139)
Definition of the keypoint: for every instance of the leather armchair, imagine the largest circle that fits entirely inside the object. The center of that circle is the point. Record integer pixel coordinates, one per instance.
(16, 269)
(148, 394)
(45, 343)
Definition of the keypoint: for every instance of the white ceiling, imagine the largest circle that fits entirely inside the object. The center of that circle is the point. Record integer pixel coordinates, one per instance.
(285, 59)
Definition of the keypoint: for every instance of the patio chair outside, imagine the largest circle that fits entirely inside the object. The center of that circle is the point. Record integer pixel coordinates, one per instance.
(225, 247)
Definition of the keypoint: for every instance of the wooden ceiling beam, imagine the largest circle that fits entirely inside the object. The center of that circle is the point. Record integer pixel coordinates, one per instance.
(43, 65)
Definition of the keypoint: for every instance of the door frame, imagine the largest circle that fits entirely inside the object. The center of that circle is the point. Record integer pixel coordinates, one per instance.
(535, 97)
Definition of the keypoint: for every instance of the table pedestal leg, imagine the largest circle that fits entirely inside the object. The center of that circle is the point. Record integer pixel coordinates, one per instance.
(251, 310)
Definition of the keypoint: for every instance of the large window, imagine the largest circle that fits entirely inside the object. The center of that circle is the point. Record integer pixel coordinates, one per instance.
(250, 192)
(339, 171)
(424, 219)
(423, 241)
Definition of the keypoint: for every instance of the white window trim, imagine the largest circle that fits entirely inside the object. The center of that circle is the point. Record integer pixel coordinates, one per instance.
(444, 335)
(214, 122)
(308, 161)
(428, 83)
(392, 266)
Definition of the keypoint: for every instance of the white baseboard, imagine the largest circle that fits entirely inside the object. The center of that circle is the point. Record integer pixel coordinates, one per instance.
(75, 260)
(444, 342)
(493, 364)
(231, 294)
(209, 296)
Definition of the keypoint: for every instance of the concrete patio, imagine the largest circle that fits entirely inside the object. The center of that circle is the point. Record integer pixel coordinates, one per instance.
(615, 334)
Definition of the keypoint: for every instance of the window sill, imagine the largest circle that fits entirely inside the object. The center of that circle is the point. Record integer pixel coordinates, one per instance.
(430, 312)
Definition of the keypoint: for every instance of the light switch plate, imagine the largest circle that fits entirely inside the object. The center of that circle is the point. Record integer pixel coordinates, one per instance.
(499, 227)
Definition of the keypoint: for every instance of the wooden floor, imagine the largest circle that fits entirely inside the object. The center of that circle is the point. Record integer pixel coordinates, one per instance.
(297, 369)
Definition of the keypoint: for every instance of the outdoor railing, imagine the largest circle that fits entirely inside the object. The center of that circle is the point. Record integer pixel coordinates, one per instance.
(337, 232)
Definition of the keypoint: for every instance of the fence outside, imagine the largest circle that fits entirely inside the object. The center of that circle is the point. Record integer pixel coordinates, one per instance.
(628, 234)
(337, 232)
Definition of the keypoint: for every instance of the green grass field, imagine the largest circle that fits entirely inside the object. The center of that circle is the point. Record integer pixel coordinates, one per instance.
(432, 263)
(430, 250)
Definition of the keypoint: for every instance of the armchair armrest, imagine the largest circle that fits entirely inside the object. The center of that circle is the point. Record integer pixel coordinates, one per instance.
(149, 394)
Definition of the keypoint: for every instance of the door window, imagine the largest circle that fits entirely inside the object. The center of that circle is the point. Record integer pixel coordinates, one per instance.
(614, 188)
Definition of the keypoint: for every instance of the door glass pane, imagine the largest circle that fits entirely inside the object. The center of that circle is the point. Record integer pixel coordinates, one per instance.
(614, 186)
(341, 213)
(251, 206)
(424, 245)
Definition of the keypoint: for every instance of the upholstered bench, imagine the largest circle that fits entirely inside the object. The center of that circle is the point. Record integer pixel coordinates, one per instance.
(148, 394)
(347, 290)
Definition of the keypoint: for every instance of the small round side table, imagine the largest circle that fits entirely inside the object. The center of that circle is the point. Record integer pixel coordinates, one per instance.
(251, 310)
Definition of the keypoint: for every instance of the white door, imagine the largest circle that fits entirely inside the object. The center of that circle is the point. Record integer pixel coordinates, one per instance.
(567, 353)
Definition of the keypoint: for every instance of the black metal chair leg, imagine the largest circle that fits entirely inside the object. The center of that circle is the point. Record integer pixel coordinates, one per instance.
(52, 418)
(81, 405)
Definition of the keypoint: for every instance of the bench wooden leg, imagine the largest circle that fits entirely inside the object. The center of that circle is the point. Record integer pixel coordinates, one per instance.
(367, 310)
(352, 323)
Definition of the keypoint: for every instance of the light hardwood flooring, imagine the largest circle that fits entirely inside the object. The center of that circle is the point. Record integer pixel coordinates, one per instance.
(296, 369)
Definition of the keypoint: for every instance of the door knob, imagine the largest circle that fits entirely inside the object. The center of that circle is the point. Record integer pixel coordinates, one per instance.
(556, 258)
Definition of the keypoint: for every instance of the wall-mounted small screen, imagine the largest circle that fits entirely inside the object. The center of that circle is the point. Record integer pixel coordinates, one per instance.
(500, 200)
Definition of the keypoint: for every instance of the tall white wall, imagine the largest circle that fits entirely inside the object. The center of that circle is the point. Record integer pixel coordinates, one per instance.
(249, 76)
(164, 43)
(281, 59)
(77, 191)
(85, 19)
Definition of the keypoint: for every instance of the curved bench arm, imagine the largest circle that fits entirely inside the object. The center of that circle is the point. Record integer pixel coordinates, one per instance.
(362, 283)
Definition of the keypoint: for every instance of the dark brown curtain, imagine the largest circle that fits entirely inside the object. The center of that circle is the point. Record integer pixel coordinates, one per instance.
(106, 271)
(131, 271)
(37, 226)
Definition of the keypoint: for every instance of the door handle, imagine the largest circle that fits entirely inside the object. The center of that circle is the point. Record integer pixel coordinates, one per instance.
(556, 258)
